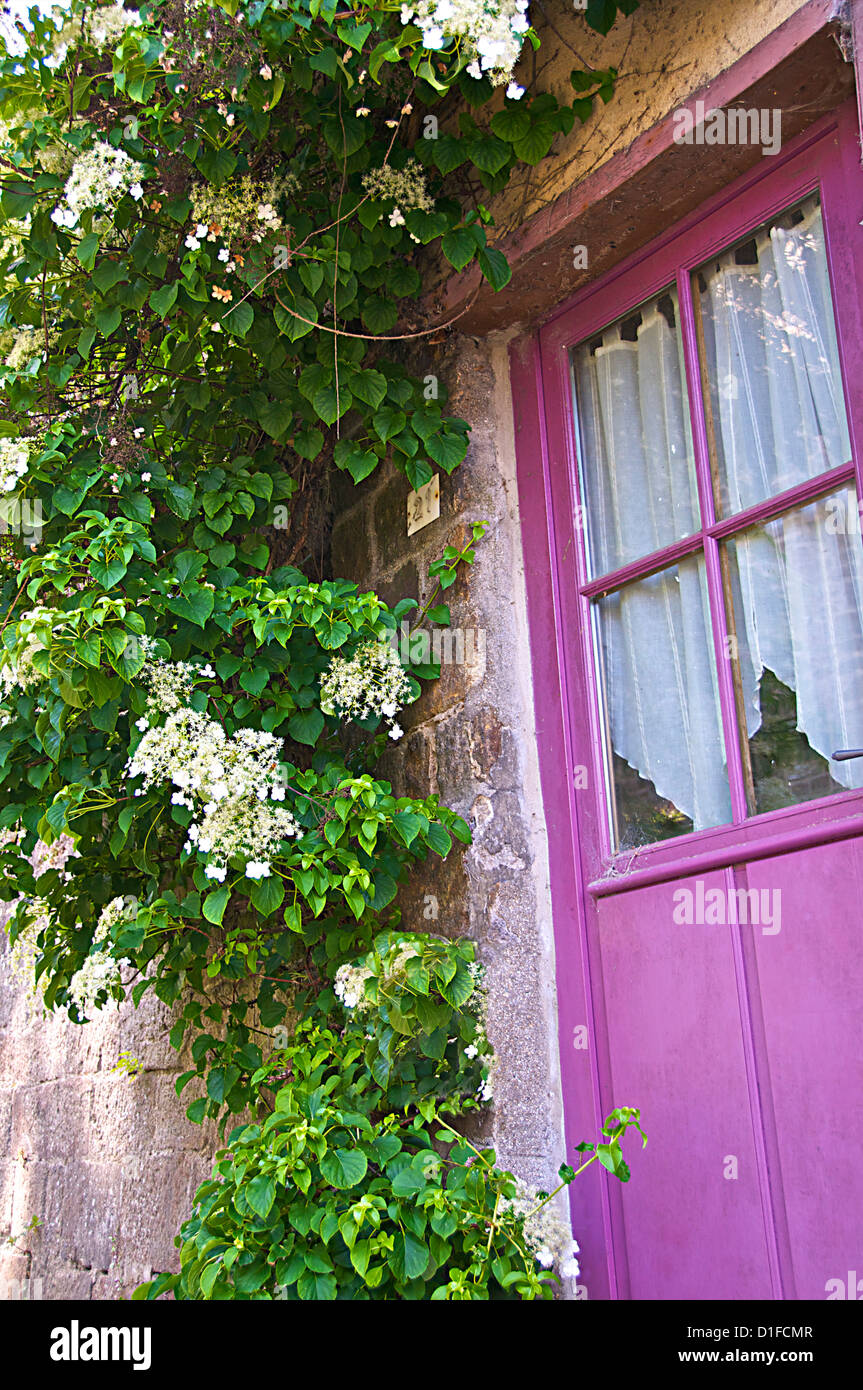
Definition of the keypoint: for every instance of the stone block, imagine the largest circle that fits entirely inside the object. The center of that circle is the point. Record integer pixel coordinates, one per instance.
(352, 547)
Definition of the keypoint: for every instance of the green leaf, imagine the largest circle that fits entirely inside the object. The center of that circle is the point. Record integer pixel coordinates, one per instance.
(108, 319)
(239, 319)
(494, 267)
(306, 725)
(379, 314)
(180, 499)
(267, 894)
(354, 34)
(407, 825)
(86, 339)
(196, 605)
(107, 274)
(459, 246)
(308, 442)
(89, 649)
(388, 422)
(209, 1275)
(449, 153)
(447, 450)
(438, 839)
(330, 406)
(370, 387)
(276, 417)
(216, 165)
(261, 1194)
(460, 987)
(355, 460)
(408, 1182)
(409, 1257)
(220, 1081)
(535, 145)
(86, 250)
(512, 123)
(213, 906)
(488, 153)
(163, 299)
(344, 1168)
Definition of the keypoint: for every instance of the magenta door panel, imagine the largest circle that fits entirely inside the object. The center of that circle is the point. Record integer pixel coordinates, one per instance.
(811, 992)
(675, 1049)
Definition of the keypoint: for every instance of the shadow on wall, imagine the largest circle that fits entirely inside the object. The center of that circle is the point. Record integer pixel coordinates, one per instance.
(106, 1162)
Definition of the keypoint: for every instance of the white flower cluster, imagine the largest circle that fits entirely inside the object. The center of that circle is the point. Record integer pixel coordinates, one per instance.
(350, 986)
(28, 342)
(25, 954)
(477, 1004)
(250, 829)
(108, 24)
(53, 856)
(226, 779)
(18, 672)
(489, 32)
(34, 631)
(14, 462)
(350, 979)
(405, 187)
(371, 682)
(169, 683)
(242, 209)
(100, 176)
(100, 970)
(102, 27)
(547, 1231)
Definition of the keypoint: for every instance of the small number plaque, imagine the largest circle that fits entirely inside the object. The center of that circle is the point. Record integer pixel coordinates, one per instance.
(424, 505)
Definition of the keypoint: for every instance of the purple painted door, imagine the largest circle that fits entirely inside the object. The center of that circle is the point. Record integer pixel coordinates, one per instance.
(695, 582)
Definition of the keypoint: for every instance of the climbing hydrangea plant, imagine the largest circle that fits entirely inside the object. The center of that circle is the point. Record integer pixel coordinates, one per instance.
(213, 228)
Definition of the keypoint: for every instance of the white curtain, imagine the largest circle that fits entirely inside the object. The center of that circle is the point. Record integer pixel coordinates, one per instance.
(779, 418)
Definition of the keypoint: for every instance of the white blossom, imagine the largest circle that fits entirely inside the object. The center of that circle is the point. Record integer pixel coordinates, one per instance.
(371, 682)
(101, 971)
(405, 187)
(489, 33)
(98, 179)
(225, 780)
(546, 1229)
(14, 462)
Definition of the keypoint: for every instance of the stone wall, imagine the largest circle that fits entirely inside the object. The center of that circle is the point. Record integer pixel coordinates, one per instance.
(106, 1163)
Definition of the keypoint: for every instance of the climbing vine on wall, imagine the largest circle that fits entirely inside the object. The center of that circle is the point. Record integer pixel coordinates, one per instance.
(213, 229)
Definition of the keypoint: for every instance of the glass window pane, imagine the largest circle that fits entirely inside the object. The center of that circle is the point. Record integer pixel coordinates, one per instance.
(773, 399)
(637, 467)
(667, 765)
(797, 594)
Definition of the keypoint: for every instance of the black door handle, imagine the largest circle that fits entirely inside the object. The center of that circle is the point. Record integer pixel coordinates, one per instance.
(843, 754)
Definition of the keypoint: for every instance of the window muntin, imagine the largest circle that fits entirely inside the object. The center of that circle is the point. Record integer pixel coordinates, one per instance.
(764, 335)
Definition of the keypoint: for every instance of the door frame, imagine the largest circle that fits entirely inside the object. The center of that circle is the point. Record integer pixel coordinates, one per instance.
(568, 726)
